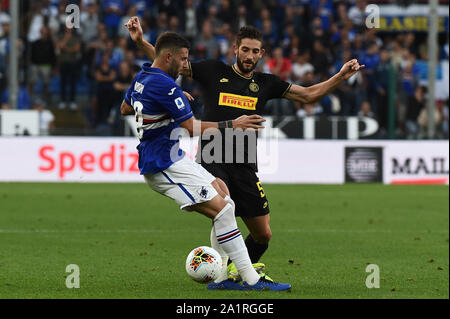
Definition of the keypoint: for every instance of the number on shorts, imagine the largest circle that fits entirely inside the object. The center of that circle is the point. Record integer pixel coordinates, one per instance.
(261, 190)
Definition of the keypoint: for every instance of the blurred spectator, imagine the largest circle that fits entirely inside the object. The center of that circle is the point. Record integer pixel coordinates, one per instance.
(370, 59)
(300, 67)
(279, 65)
(57, 21)
(215, 22)
(323, 9)
(46, 118)
(287, 39)
(190, 19)
(112, 10)
(162, 23)
(207, 40)
(226, 14)
(445, 126)
(37, 22)
(142, 6)
(350, 92)
(357, 12)
(69, 47)
(104, 75)
(242, 18)
(121, 83)
(269, 36)
(422, 120)
(4, 19)
(121, 30)
(89, 22)
(415, 105)
(150, 34)
(366, 110)
(23, 99)
(282, 67)
(382, 79)
(43, 60)
(174, 24)
(268, 26)
(225, 40)
(4, 50)
(320, 59)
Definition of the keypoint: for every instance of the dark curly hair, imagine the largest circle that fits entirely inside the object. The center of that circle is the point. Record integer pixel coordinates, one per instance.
(248, 32)
(171, 41)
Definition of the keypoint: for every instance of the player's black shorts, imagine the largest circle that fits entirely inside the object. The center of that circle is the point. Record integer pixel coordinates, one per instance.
(245, 188)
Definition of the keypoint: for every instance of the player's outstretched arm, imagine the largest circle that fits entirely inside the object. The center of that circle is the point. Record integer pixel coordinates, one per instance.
(316, 92)
(137, 35)
(196, 127)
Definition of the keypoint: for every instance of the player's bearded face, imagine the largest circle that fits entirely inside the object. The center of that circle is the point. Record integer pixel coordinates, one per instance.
(178, 63)
(174, 68)
(248, 54)
(246, 65)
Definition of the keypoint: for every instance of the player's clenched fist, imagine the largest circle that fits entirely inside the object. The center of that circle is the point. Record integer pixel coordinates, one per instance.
(248, 121)
(350, 68)
(134, 28)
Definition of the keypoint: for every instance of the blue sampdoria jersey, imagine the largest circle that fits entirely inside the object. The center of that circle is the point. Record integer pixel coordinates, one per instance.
(160, 106)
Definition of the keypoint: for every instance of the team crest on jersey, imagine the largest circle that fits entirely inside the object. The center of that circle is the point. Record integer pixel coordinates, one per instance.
(203, 192)
(179, 103)
(138, 87)
(253, 87)
(239, 101)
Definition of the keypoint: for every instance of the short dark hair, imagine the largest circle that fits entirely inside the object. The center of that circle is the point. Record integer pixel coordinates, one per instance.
(171, 41)
(248, 32)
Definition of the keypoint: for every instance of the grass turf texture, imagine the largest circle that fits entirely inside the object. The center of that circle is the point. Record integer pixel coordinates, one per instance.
(130, 242)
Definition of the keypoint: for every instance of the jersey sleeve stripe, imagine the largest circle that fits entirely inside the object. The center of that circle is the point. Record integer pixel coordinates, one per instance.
(184, 117)
(153, 119)
(287, 89)
(152, 126)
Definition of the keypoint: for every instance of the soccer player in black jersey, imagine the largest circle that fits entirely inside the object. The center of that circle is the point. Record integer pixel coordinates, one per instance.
(234, 90)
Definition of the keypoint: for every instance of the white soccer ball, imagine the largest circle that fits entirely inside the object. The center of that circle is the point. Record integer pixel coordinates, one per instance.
(204, 264)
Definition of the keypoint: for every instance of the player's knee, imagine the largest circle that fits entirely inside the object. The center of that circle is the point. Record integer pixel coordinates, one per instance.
(222, 186)
(263, 237)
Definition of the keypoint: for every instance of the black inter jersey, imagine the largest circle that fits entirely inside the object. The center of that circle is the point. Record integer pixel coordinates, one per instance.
(227, 95)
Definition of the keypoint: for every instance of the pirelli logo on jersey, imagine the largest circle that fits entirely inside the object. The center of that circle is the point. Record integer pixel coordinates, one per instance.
(239, 101)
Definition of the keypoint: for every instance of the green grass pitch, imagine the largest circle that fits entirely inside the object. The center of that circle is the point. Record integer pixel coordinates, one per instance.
(130, 242)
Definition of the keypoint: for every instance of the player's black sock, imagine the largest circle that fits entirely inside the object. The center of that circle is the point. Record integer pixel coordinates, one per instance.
(255, 250)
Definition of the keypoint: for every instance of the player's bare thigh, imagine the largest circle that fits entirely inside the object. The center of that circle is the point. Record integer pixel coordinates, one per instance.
(221, 187)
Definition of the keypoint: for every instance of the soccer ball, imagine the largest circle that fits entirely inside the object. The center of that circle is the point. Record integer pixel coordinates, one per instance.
(203, 264)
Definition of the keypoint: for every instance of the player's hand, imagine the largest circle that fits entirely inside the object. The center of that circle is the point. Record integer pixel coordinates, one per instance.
(248, 122)
(134, 28)
(350, 68)
(188, 96)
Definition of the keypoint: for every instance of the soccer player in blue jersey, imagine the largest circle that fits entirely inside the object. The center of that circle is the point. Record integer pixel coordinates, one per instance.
(161, 111)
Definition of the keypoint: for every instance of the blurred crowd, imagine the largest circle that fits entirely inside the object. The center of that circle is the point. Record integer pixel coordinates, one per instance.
(86, 69)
